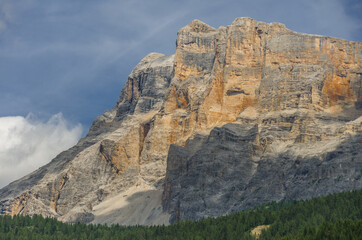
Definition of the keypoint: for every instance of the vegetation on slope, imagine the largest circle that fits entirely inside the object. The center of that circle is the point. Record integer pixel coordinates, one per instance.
(337, 216)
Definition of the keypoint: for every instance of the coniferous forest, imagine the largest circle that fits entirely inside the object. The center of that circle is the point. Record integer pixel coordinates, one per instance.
(337, 216)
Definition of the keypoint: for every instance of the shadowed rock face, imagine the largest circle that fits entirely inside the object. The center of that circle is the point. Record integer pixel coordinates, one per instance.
(240, 115)
(233, 169)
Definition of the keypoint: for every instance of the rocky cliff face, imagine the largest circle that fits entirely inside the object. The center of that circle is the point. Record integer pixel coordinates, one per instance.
(240, 115)
(295, 103)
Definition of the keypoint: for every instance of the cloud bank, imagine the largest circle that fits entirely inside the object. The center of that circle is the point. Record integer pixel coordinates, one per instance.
(27, 143)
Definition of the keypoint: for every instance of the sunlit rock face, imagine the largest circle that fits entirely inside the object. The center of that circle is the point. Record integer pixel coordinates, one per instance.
(240, 115)
(294, 101)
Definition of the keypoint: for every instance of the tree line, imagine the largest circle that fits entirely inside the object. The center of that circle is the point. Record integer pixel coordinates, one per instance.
(337, 216)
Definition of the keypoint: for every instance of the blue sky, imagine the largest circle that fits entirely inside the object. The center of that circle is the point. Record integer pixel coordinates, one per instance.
(73, 56)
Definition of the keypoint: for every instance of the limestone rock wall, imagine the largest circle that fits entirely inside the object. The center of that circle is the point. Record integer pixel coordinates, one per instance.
(242, 165)
(295, 93)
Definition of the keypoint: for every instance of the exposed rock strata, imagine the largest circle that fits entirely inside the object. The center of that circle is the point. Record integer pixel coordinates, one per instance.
(240, 115)
(233, 168)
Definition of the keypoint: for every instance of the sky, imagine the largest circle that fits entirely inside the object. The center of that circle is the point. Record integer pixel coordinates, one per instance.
(62, 63)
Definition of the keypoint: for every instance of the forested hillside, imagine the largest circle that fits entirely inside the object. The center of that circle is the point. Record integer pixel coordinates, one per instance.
(337, 216)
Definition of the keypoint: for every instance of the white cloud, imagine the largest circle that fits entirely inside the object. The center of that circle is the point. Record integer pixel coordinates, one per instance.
(27, 143)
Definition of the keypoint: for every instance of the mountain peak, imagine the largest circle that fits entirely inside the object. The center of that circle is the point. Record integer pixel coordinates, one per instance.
(239, 116)
(198, 27)
(242, 21)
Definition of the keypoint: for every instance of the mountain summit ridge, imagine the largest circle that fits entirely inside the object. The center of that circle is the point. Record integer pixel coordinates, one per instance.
(238, 116)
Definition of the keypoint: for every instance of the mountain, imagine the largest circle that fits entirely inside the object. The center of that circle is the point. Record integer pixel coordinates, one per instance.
(240, 115)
